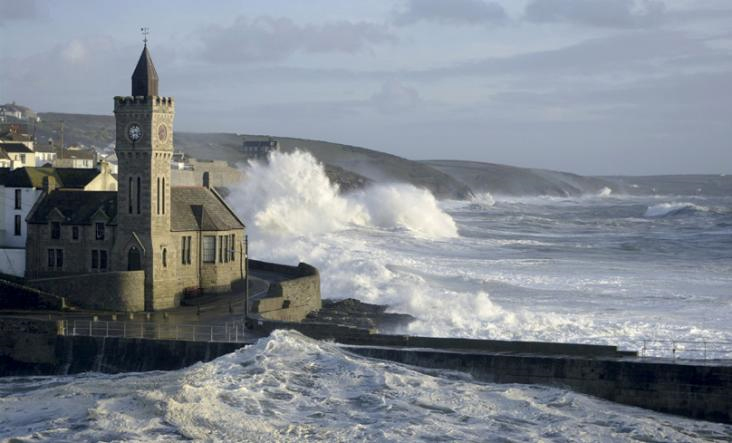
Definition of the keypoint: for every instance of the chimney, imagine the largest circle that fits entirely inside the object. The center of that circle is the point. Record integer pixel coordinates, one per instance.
(49, 184)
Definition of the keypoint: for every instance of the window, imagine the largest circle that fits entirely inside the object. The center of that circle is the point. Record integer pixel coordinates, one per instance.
(99, 259)
(99, 231)
(55, 230)
(18, 225)
(185, 250)
(74, 232)
(55, 258)
(221, 248)
(163, 195)
(18, 198)
(209, 249)
(139, 193)
(129, 195)
(165, 257)
(232, 247)
(158, 195)
(22, 158)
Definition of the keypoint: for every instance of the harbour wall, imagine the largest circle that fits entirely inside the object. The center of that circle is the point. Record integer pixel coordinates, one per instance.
(700, 391)
(290, 298)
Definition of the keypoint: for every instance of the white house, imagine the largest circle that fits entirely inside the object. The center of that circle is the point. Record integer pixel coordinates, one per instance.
(20, 154)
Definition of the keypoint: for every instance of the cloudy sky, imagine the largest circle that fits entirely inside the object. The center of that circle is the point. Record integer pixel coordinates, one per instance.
(589, 86)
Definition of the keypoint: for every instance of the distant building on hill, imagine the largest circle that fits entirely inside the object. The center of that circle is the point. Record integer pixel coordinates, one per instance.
(258, 148)
(12, 112)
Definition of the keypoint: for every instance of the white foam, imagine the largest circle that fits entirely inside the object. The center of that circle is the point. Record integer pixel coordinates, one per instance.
(292, 195)
(664, 209)
(291, 388)
(605, 192)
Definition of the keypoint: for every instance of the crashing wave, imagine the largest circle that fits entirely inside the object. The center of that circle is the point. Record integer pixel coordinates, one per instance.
(482, 200)
(291, 194)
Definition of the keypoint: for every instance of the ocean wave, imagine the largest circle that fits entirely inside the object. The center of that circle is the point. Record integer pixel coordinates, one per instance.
(292, 195)
(674, 208)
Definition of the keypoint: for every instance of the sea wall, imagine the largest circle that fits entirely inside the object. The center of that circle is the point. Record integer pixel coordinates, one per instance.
(699, 391)
(109, 291)
(290, 298)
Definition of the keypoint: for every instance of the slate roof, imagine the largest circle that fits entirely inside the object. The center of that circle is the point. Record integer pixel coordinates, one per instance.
(30, 177)
(198, 208)
(14, 147)
(145, 77)
(76, 206)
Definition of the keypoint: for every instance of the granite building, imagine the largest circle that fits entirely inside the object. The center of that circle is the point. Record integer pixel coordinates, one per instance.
(184, 239)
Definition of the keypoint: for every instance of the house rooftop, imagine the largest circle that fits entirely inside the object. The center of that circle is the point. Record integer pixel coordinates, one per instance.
(15, 147)
(30, 177)
(75, 207)
(199, 208)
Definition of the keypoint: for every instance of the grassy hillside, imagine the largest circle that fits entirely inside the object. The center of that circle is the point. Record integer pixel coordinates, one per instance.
(349, 166)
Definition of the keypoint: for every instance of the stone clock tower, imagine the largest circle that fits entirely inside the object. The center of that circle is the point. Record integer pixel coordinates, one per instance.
(144, 147)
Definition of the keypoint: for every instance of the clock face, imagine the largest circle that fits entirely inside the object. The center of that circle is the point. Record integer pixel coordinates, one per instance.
(134, 132)
(162, 132)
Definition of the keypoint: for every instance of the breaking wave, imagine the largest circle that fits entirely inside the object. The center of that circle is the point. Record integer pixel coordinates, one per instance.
(674, 208)
(287, 387)
(291, 194)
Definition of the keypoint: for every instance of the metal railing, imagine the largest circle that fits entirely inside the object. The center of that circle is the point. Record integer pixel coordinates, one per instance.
(684, 349)
(233, 332)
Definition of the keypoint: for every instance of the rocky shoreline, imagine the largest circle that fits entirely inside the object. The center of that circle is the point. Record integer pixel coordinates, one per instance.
(355, 313)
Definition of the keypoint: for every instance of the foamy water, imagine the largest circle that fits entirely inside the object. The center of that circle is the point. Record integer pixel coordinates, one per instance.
(599, 269)
(291, 388)
(602, 269)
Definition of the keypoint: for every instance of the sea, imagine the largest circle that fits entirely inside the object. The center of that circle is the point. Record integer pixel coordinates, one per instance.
(648, 273)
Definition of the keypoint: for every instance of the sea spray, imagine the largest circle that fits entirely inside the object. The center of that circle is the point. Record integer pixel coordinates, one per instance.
(291, 194)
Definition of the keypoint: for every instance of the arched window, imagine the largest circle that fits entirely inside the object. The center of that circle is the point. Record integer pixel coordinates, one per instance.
(138, 195)
(163, 195)
(165, 257)
(158, 196)
(206, 179)
(134, 261)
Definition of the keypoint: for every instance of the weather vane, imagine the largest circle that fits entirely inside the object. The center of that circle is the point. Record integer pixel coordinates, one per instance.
(145, 31)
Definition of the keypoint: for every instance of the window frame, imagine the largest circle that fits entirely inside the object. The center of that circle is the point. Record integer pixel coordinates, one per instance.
(18, 228)
(18, 199)
(55, 230)
(97, 234)
(208, 251)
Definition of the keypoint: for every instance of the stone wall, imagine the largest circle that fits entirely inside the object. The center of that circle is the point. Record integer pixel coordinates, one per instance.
(15, 296)
(109, 291)
(290, 299)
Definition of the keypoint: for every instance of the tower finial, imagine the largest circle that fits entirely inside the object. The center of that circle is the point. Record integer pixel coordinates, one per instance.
(145, 31)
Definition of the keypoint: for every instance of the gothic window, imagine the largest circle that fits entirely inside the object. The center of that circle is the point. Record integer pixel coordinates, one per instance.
(209, 249)
(18, 225)
(134, 261)
(163, 195)
(158, 196)
(165, 257)
(129, 195)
